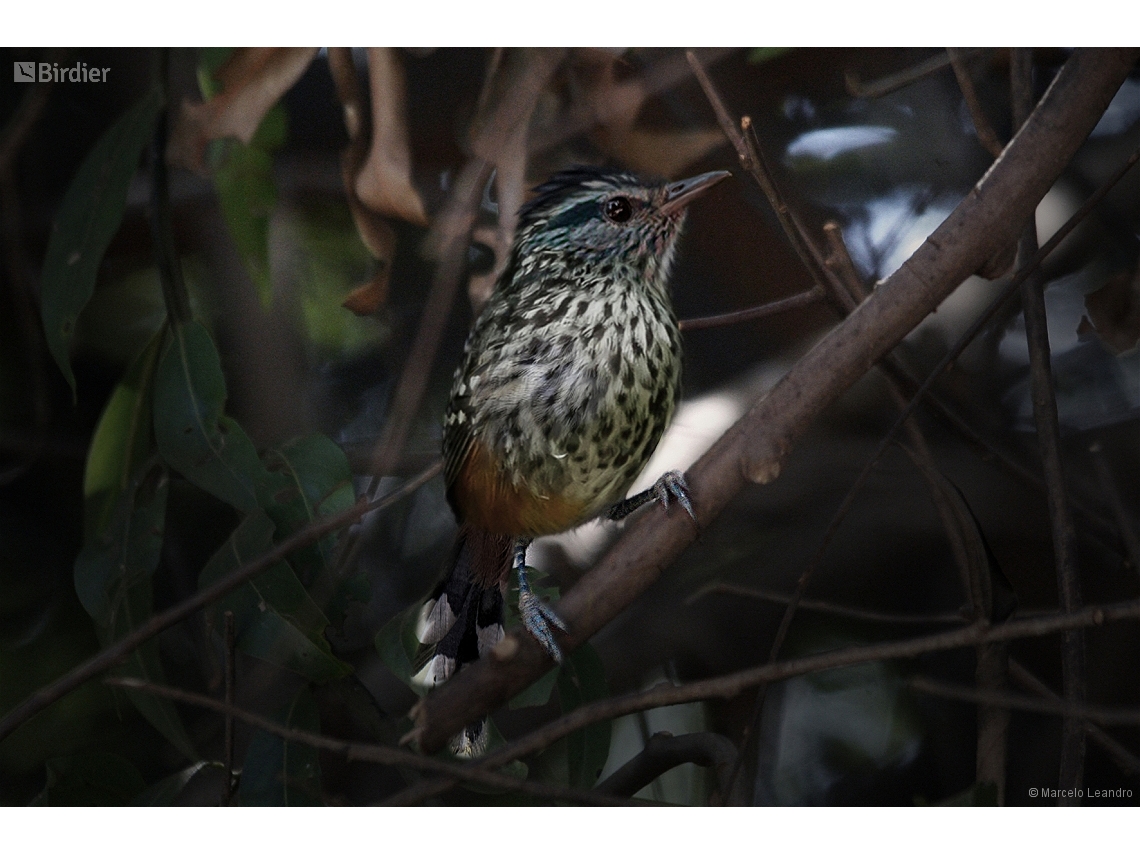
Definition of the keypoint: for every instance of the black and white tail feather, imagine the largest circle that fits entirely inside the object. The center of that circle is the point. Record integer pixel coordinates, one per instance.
(460, 623)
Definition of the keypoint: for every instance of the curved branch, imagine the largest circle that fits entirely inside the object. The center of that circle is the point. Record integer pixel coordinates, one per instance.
(664, 751)
(990, 216)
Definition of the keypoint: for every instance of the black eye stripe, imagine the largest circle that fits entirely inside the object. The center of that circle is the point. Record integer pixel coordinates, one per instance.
(618, 209)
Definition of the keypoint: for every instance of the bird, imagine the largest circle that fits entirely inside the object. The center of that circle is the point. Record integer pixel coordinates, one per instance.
(568, 379)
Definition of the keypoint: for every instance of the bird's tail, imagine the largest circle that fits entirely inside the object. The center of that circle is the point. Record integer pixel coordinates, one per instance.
(463, 618)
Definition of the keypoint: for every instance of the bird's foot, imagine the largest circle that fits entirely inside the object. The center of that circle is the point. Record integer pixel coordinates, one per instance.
(669, 487)
(538, 618)
(536, 615)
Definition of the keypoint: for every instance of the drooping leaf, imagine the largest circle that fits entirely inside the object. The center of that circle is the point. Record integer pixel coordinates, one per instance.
(276, 773)
(127, 549)
(981, 794)
(537, 693)
(397, 644)
(122, 442)
(144, 664)
(274, 616)
(241, 91)
(582, 680)
(243, 179)
(125, 487)
(163, 793)
(87, 220)
(93, 779)
(385, 180)
(319, 485)
(764, 54)
(194, 435)
(1114, 312)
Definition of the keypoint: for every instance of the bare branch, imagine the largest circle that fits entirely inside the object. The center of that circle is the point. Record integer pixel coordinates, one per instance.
(1128, 762)
(805, 298)
(987, 136)
(664, 751)
(1009, 700)
(821, 606)
(893, 82)
(367, 752)
(1060, 519)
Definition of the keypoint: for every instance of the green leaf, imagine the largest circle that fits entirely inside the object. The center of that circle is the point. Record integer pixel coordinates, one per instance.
(320, 485)
(122, 442)
(243, 179)
(164, 792)
(194, 436)
(275, 618)
(90, 215)
(537, 694)
(127, 550)
(398, 645)
(582, 680)
(980, 794)
(763, 54)
(144, 664)
(276, 773)
(125, 488)
(94, 779)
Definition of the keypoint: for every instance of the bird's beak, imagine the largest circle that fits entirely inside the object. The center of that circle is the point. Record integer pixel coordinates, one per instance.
(681, 193)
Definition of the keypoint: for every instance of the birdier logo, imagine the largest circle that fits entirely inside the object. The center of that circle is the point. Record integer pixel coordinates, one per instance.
(50, 72)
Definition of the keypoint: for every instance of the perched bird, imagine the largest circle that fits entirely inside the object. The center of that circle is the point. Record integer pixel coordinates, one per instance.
(567, 382)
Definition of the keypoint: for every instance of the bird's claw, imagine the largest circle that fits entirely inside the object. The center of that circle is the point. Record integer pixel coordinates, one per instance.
(538, 617)
(671, 486)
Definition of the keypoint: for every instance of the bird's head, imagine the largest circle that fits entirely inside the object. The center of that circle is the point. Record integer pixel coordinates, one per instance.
(596, 216)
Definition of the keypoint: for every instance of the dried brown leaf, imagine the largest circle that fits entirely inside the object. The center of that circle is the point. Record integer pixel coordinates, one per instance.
(664, 153)
(368, 298)
(252, 81)
(1114, 310)
(384, 183)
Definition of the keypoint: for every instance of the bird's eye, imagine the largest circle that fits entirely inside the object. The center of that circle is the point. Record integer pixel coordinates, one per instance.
(618, 209)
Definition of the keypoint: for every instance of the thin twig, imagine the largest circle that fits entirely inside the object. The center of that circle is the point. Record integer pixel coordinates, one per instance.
(804, 298)
(372, 753)
(113, 654)
(753, 162)
(987, 136)
(821, 606)
(1128, 762)
(730, 685)
(893, 82)
(1060, 519)
(230, 666)
(1097, 714)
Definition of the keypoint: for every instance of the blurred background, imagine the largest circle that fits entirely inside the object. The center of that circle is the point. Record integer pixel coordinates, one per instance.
(339, 186)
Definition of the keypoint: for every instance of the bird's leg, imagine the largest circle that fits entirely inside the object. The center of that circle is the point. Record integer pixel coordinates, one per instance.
(669, 486)
(536, 615)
